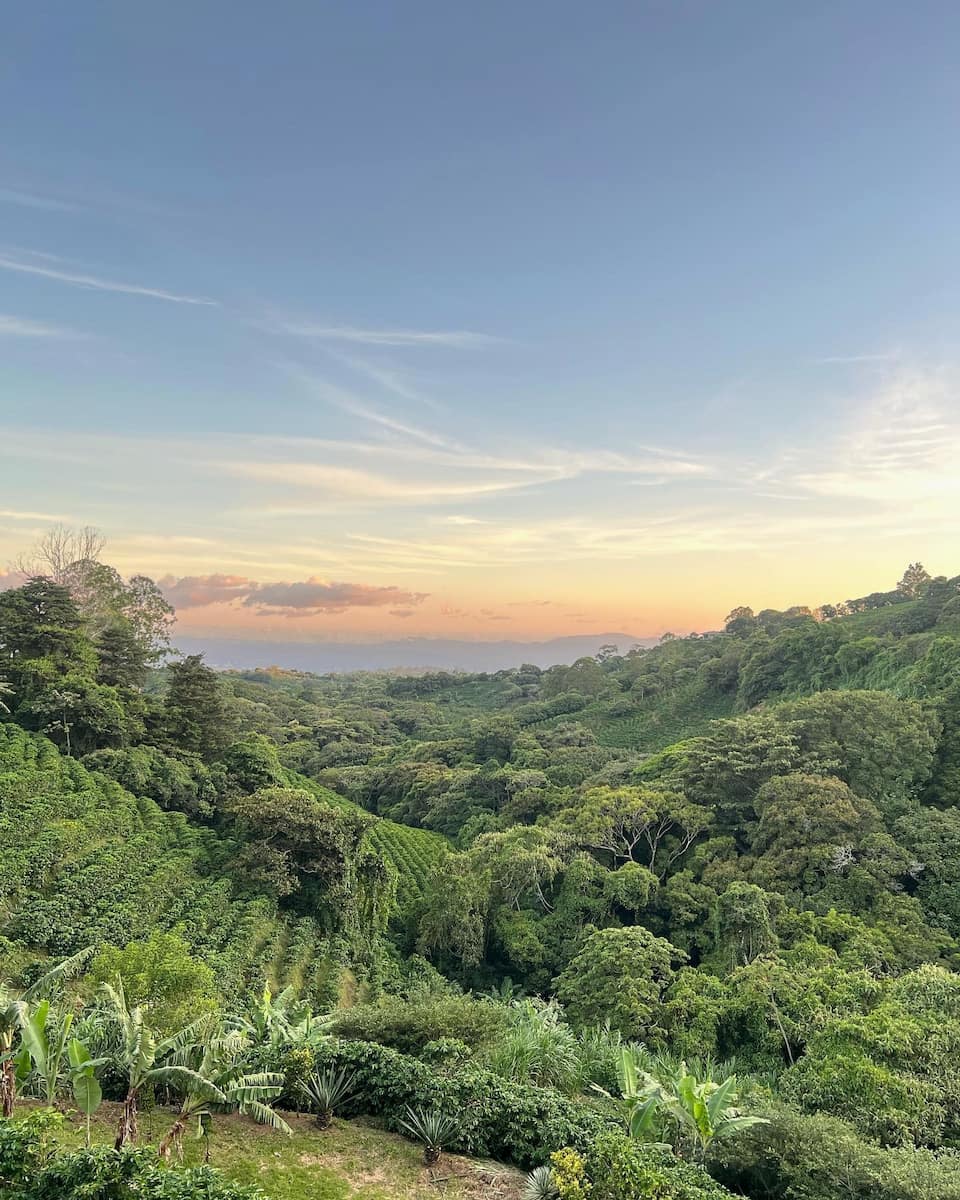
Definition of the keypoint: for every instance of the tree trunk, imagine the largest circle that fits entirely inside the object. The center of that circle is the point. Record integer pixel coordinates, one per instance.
(173, 1139)
(8, 1087)
(324, 1118)
(127, 1125)
(431, 1155)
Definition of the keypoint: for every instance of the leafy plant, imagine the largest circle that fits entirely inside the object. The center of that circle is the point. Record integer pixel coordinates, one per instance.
(434, 1129)
(14, 1010)
(141, 1058)
(44, 1038)
(677, 1109)
(326, 1090)
(540, 1185)
(87, 1093)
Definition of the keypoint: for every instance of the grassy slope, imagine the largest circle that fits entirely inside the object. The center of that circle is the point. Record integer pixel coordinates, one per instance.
(351, 1159)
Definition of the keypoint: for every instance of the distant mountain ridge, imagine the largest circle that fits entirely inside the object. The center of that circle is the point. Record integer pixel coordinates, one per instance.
(412, 654)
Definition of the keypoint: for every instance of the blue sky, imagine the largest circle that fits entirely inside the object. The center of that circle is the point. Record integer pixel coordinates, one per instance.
(549, 315)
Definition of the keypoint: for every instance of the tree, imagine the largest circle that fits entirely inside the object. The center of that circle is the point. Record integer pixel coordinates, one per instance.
(195, 716)
(808, 825)
(521, 862)
(453, 922)
(636, 824)
(740, 622)
(297, 843)
(745, 923)
(40, 620)
(619, 976)
(59, 549)
(914, 581)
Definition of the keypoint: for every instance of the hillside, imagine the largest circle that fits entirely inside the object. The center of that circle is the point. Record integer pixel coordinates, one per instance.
(540, 916)
(82, 862)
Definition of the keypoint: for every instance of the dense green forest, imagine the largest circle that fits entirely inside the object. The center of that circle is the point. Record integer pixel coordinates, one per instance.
(674, 922)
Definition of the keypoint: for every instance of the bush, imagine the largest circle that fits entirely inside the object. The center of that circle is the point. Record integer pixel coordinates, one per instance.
(496, 1118)
(29, 1170)
(410, 1027)
(619, 1168)
(821, 1158)
(26, 1146)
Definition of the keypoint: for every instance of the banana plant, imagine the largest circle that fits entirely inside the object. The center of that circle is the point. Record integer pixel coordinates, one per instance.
(142, 1058)
(217, 1058)
(9, 1026)
(642, 1098)
(12, 1009)
(704, 1110)
(44, 1039)
(691, 1112)
(86, 1088)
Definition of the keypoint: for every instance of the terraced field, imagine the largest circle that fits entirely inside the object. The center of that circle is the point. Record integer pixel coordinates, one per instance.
(111, 867)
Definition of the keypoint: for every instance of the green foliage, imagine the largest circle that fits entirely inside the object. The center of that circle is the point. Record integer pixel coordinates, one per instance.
(620, 976)
(497, 1118)
(821, 1158)
(33, 1172)
(781, 886)
(410, 1027)
(195, 718)
(620, 1168)
(161, 974)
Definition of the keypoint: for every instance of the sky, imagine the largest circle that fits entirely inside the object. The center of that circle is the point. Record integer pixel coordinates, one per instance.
(380, 320)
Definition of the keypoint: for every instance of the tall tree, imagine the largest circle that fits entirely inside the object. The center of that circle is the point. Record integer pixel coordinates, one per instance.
(195, 716)
(914, 581)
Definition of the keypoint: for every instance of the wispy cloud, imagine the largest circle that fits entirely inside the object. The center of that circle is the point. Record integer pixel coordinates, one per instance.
(13, 514)
(900, 450)
(33, 200)
(97, 284)
(349, 403)
(389, 379)
(454, 338)
(25, 328)
(854, 359)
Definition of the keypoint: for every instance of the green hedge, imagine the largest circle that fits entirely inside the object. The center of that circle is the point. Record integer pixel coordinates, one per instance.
(496, 1118)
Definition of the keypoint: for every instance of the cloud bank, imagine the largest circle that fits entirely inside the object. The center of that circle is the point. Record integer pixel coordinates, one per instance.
(303, 598)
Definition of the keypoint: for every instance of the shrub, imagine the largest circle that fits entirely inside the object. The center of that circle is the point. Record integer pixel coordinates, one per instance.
(496, 1118)
(619, 1168)
(29, 1170)
(26, 1146)
(821, 1158)
(410, 1027)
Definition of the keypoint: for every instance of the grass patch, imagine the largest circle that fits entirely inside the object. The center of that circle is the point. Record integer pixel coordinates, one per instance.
(351, 1159)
